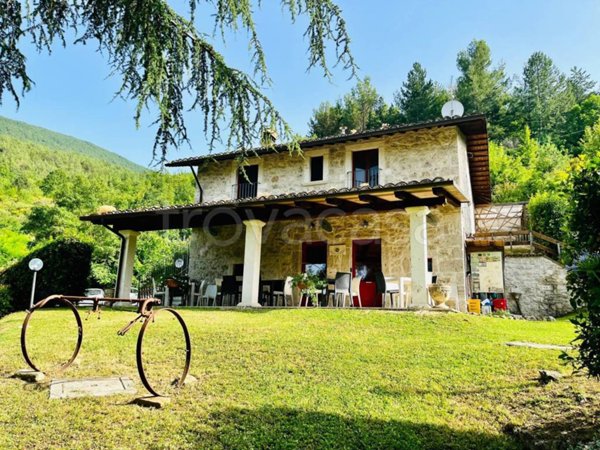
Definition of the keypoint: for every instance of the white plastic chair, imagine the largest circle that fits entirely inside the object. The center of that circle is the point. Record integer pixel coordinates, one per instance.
(285, 294)
(392, 287)
(196, 296)
(157, 294)
(341, 288)
(405, 292)
(210, 294)
(355, 292)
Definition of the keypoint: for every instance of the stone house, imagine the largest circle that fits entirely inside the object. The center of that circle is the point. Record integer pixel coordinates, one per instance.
(398, 200)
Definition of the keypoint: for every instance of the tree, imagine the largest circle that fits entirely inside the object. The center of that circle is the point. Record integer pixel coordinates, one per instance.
(583, 278)
(585, 218)
(48, 222)
(580, 117)
(481, 88)
(327, 119)
(361, 109)
(581, 84)
(543, 97)
(419, 99)
(163, 59)
(362, 105)
(530, 168)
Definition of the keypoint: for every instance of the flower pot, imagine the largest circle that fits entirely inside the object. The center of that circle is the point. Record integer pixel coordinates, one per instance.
(440, 293)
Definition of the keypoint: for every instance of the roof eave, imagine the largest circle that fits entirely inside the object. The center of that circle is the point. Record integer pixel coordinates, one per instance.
(226, 156)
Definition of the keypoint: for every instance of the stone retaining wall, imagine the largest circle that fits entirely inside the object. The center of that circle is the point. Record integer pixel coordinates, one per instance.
(542, 283)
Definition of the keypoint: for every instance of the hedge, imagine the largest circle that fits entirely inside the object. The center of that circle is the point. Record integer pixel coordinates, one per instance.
(66, 270)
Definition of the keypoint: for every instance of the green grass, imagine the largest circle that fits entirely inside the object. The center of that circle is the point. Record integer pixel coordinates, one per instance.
(301, 379)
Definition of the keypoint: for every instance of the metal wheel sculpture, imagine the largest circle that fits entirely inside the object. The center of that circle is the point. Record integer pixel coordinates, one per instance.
(140, 353)
(25, 328)
(145, 312)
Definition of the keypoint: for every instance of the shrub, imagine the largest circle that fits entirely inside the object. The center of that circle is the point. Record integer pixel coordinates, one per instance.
(583, 281)
(66, 270)
(548, 212)
(5, 300)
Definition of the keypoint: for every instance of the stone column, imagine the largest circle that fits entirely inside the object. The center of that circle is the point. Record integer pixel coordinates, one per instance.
(126, 261)
(252, 249)
(418, 255)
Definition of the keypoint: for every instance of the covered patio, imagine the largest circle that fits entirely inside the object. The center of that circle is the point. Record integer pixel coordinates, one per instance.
(270, 227)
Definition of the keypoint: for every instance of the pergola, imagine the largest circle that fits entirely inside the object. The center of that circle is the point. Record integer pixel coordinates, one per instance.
(415, 197)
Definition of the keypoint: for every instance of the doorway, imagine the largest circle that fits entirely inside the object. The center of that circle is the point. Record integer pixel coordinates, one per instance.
(366, 262)
(314, 258)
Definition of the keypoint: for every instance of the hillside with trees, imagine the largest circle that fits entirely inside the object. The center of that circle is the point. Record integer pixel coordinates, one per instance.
(48, 180)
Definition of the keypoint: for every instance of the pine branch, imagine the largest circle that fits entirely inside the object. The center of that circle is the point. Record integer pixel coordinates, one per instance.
(164, 62)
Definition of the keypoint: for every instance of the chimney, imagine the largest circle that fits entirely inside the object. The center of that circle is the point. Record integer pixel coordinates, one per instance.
(343, 130)
(269, 137)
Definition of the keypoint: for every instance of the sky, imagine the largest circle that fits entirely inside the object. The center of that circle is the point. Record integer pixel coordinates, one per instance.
(74, 91)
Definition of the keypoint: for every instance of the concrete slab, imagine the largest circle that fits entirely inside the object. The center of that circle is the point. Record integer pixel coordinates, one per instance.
(541, 346)
(29, 375)
(91, 387)
(152, 402)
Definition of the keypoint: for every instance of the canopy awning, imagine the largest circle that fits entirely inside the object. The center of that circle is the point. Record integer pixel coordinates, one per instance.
(359, 200)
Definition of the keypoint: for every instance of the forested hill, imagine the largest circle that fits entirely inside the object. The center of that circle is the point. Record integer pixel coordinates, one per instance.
(47, 180)
(57, 141)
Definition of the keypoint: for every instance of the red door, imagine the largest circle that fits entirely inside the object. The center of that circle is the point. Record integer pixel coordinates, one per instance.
(366, 262)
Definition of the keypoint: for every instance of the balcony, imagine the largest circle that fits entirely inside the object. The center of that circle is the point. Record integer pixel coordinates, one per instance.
(244, 190)
(363, 178)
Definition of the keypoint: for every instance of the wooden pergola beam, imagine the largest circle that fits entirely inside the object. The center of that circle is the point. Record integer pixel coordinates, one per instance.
(442, 192)
(311, 206)
(373, 200)
(342, 203)
(407, 196)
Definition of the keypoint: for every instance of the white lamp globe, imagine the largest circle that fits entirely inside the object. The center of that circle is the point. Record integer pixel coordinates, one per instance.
(36, 264)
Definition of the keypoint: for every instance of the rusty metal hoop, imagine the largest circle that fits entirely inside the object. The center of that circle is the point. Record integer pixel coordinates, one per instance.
(39, 305)
(139, 350)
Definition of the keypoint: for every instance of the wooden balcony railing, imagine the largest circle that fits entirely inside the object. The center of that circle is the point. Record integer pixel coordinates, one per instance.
(537, 241)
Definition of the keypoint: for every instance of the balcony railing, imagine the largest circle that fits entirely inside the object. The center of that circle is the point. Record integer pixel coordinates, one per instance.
(362, 177)
(244, 190)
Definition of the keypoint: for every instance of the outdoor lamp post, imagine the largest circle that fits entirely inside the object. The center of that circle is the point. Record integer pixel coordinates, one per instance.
(35, 265)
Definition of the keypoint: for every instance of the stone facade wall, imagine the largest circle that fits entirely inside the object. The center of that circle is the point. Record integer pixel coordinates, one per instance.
(214, 254)
(542, 283)
(414, 155)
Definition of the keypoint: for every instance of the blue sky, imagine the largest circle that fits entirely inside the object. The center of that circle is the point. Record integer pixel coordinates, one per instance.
(74, 92)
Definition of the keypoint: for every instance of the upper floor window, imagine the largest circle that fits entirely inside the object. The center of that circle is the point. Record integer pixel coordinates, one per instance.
(365, 168)
(316, 168)
(247, 182)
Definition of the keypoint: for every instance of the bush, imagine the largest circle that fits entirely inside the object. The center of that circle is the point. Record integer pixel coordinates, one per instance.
(583, 281)
(66, 270)
(5, 300)
(548, 213)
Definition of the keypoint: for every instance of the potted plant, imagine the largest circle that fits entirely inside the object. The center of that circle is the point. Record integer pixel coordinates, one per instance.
(309, 285)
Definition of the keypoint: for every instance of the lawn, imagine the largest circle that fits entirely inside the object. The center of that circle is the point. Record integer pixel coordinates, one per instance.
(309, 379)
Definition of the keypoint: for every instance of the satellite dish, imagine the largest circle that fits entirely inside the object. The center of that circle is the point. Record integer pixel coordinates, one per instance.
(179, 263)
(452, 109)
